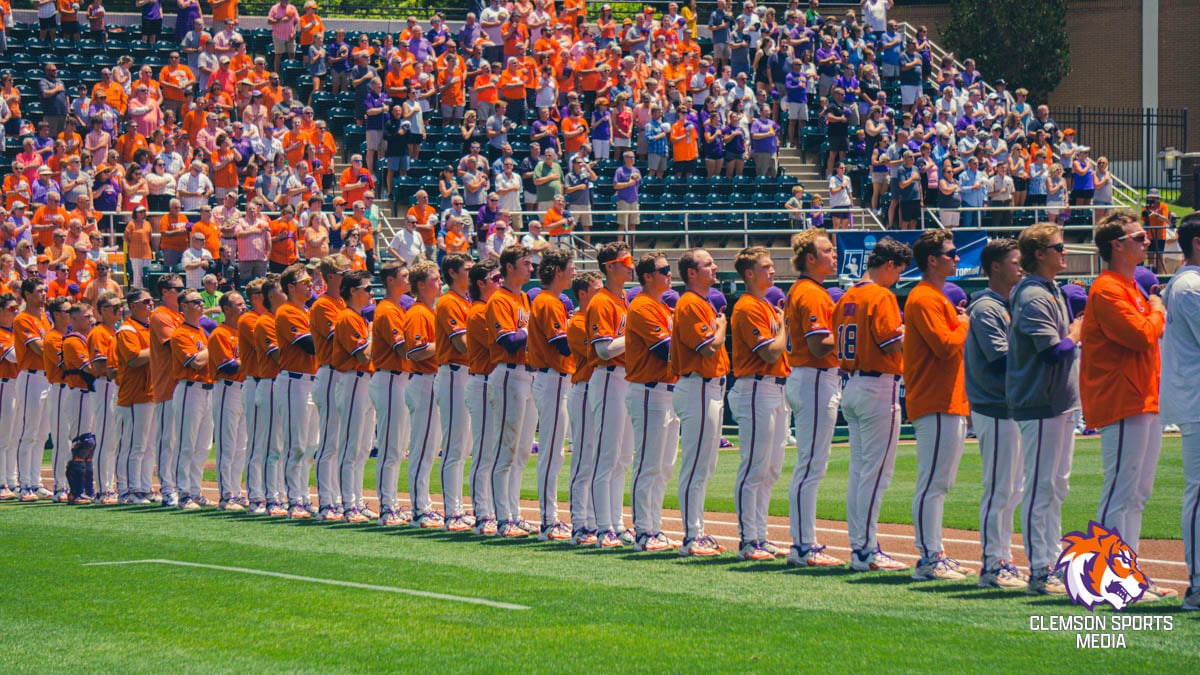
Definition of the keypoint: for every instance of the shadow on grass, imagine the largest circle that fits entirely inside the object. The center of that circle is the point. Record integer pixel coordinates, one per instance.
(822, 572)
(881, 579)
(760, 567)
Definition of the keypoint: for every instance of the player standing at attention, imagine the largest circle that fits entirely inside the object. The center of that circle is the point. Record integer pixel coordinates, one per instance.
(450, 336)
(102, 342)
(229, 413)
(985, 358)
(251, 365)
(814, 389)
(701, 362)
(322, 315)
(579, 414)
(293, 388)
(606, 317)
(350, 355)
(651, 413)
(387, 391)
(485, 279)
(935, 332)
(29, 330)
(422, 409)
(757, 399)
(1041, 387)
(870, 340)
(135, 399)
(163, 321)
(1180, 359)
(264, 461)
(76, 414)
(10, 484)
(550, 358)
(60, 320)
(1119, 379)
(192, 400)
(510, 387)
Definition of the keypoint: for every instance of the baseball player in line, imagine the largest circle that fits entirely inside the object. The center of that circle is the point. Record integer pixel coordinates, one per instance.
(293, 388)
(1119, 379)
(579, 414)
(10, 482)
(163, 321)
(422, 406)
(550, 359)
(870, 339)
(267, 487)
(135, 399)
(101, 342)
(450, 335)
(251, 366)
(350, 356)
(192, 402)
(985, 358)
(1180, 360)
(606, 323)
(29, 329)
(935, 332)
(485, 279)
(228, 410)
(57, 397)
(1041, 387)
(757, 400)
(649, 401)
(813, 390)
(322, 316)
(387, 391)
(510, 389)
(76, 415)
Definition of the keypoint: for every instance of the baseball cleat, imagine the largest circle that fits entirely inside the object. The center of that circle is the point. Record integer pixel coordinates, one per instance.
(243, 500)
(87, 499)
(457, 523)
(929, 569)
(298, 512)
(331, 514)
(170, 501)
(627, 536)
(608, 539)
(155, 497)
(257, 508)
(108, 498)
(652, 543)
(753, 550)
(814, 556)
(1045, 582)
(512, 529)
(276, 509)
(583, 538)
(6, 493)
(529, 527)
(61, 497)
(430, 520)
(189, 504)
(1191, 601)
(1154, 593)
(957, 566)
(203, 501)
(486, 527)
(389, 518)
(139, 499)
(701, 547)
(875, 561)
(230, 505)
(354, 515)
(369, 512)
(28, 496)
(559, 531)
(769, 547)
(42, 493)
(1003, 575)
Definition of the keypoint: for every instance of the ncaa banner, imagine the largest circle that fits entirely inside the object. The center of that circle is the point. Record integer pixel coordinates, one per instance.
(854, 247)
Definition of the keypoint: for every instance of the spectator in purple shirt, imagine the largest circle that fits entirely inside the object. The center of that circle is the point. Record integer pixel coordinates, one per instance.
(151, 19)
(544, 125)
(626, 180)
(795, 86)
(764, 143)
(419, 47)
(471, 31)
(734, 139)
(828, 56)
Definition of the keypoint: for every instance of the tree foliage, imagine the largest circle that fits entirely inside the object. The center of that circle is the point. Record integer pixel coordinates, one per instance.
(1023, 41)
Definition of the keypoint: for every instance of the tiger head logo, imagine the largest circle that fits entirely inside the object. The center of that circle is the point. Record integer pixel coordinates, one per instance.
(1098, 566)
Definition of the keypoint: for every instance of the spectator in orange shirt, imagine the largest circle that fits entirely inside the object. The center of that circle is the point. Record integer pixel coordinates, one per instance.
(426, 217)
(283, 240)
(355, 180)
(224, 166)
(453, 239)
(174, 79)
(137, 245)
(574, 130)
(684, 144)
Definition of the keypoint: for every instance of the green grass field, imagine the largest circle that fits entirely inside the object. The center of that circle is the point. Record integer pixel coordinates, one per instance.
(588, 609)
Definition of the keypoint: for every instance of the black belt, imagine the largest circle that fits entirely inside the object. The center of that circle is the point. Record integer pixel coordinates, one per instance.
(720, 378)
(876, 373)
(356, 373)
(819, 370)
(549, 370)
(262, 379)
(518, 366)
(782, 381)
(5, 380)
(205, 387)
(394, 372)
(412, 375)
(454, 367)
(299, 376)
(228, 383)
(610, 368)
(31, 371)
(653, 385)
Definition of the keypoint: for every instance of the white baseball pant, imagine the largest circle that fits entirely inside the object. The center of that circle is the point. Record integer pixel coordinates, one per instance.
(71, 415)
(483, 447)
(1000, 449)
(298, 429)
(104, 424)
(354, 447)
(583, 458)
(1129, 450)
(136, 424)
(614, 445)
(10, 412)
(329, 450)
(424, 442)
(254, 458)
(700, 406)
(229, 431)
(264, 464)
(1190, 517)
(550, 391)
(940, 438)
(449, 388)
(392, 428)
(871, 406)
(813, 394)
(760, 410)
(168, 459)
(193, 435)
(510, 393)
(1046, 446)
(32, 390)
(655, 442)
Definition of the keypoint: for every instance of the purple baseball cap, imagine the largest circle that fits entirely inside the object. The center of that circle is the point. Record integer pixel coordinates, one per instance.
(632, 293)
(1076, 297)
(566, 302)
(533, 292)
(717, 299)
(407, 301)
(955, 294)
(775, 296)
(207, 324)
(670, 297)
(1146, 280)
(835, 292)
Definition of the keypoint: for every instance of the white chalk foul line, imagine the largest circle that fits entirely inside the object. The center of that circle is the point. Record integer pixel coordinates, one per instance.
(315, 580)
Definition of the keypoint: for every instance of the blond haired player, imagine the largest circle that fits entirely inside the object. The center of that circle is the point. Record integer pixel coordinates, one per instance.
(102, 342)
(192, 402)
(29, 330)
(135, 399)
(322, 316)
(229, 412)
(422, 406)
(350, 357)
(387, 390)
(10, 485)
(267, 487)
(58, 398)
(163, 321)
(814, 389)
(485, 279)
(293, 388)
(870, 334)
(583, 447)
(450, 334)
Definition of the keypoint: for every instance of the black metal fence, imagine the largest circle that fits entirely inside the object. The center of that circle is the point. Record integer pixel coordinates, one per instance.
(1131, 138)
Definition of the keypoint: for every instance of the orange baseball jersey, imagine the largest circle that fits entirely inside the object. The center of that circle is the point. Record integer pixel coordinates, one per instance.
(292, 326)
(450, 320)
(8, 362)
(507, 313)
(322, 316)
(548, 325)
(649, 326)
(52, 356)
(75, 357)
(606, 316)
(27, 328)
(1119, 365)
(266, 345)
(163, 322)
(866, 320)
(350, 337)
(418, 335)
(102, 346)
(581, 353)
(222, 350)
(479, 349)
(186, 343)
(754, 325)
(387, 334)
(694, 328)
(934, 341)
(247, 353)
(133, 382)
(808, 313)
